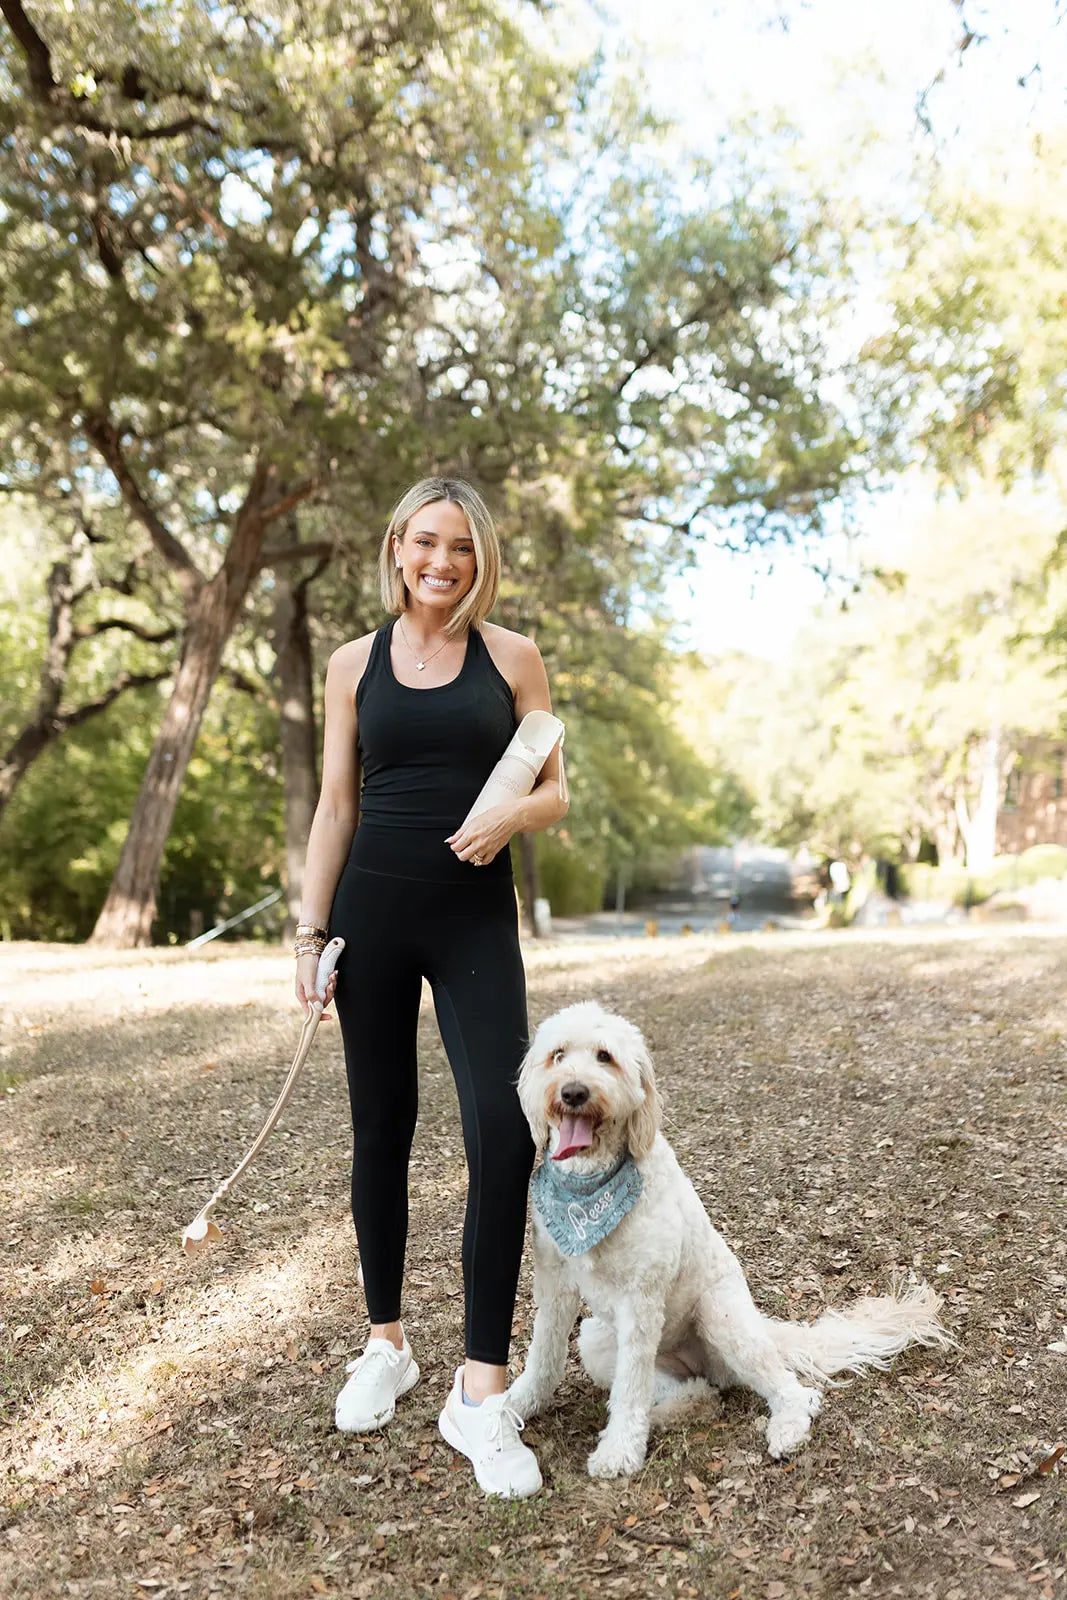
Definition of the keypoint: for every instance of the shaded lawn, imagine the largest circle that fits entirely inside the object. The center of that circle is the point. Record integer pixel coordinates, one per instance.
(847, 1105)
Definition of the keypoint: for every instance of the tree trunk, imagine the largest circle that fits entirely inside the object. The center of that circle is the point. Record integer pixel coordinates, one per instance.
(41, 729)
(297, 735)
(982, 833)
(125, 921)
(528, 876)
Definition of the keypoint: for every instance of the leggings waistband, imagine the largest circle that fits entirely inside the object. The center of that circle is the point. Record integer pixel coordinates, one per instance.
(421, 854)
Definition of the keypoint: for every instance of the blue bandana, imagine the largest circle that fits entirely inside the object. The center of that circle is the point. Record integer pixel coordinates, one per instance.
(580, 1211)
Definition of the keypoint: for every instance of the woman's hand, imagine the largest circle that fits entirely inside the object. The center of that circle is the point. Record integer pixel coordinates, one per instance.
(483, 838)
(306, 969)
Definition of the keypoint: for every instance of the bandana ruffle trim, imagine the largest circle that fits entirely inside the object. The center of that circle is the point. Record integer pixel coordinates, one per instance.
(580, 1211)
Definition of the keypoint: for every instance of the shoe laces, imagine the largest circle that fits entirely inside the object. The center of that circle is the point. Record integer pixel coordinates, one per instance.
(503, 1426)
(392, 1357)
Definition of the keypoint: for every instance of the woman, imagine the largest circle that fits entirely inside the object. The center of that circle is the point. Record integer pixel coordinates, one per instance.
(420, 712)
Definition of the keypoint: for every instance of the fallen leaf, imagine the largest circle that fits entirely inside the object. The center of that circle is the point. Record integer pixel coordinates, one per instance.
(602, 1538)
(21, 1332)
(1050, 1461)
(98, 1286)
(1005, 1563)
(695, 1484)
(1021, 1501)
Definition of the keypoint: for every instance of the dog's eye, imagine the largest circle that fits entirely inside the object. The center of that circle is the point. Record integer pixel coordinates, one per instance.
(557, 1056)
(605, 1058)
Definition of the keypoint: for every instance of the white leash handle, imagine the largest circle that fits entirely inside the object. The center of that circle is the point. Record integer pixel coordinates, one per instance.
(201, 1231)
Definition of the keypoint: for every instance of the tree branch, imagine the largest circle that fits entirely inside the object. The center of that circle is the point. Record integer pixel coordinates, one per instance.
(90, 632)
(124, 681)
(38, 56)
(105, 436)
(295, 552)
(288, 501)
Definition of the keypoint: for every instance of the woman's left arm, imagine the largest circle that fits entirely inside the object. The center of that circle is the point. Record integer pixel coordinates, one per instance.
(489, 832)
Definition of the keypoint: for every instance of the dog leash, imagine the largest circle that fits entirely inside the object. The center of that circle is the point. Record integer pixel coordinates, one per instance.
(202, 1230)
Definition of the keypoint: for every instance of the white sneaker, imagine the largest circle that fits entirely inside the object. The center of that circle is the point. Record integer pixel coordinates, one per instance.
(488, 1435)
(378, 1377)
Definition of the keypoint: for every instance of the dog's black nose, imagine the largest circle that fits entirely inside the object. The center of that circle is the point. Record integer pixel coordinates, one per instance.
(574, 1095)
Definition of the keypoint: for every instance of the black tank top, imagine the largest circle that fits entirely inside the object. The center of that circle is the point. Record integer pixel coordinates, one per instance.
(425, 753)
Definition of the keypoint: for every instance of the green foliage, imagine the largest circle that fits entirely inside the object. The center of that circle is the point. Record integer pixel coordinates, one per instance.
(1040, 861)
(873, 734)
(61, 837)
(325, 245)
(973, 366)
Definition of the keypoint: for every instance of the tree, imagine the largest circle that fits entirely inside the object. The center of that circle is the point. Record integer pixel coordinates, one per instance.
(971, 370)
(898, 719)
(81, 609)
(211, 229)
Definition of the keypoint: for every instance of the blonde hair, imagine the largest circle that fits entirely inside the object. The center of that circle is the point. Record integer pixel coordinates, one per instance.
(475, 606)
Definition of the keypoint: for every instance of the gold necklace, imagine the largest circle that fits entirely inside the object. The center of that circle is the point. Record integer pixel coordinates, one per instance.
(420, 666)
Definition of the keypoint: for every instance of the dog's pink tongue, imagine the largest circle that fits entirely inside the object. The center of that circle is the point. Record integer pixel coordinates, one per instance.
(575, 1133)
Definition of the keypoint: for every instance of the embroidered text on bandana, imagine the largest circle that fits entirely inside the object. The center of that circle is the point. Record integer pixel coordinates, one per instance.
(580, 1211)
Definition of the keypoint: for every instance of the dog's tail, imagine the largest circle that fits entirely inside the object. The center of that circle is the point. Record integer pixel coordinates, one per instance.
(864, 1336)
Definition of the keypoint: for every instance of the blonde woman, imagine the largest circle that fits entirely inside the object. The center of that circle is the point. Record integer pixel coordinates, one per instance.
(417, 714)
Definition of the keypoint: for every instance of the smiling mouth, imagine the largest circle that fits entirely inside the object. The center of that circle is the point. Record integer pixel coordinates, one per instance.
(438, 583)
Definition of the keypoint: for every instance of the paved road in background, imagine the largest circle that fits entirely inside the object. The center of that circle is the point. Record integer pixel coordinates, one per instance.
(762, 878)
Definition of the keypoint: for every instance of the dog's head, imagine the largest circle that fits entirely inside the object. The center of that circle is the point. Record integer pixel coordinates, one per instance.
(587, 1087)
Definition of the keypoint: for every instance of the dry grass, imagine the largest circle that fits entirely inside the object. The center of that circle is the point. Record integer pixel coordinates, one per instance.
(847, 1105)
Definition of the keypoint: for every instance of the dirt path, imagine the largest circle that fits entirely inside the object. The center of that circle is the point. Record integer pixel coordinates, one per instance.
(846, 1105)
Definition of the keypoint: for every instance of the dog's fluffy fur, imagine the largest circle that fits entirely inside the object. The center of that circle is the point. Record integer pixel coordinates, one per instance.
(672, 1317)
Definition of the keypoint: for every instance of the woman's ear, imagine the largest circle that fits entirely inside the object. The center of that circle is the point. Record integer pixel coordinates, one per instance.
(643, 1123)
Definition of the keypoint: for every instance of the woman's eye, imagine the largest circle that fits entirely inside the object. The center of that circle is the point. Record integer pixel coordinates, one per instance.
(604, 1057)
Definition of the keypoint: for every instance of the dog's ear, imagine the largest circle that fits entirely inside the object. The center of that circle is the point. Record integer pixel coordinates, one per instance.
(643, 1123)
(531, 1097)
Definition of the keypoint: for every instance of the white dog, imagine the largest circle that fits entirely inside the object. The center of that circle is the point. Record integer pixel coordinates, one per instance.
(616, 1223)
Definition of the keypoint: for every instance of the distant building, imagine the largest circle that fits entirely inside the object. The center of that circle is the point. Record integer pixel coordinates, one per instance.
(1034, 808)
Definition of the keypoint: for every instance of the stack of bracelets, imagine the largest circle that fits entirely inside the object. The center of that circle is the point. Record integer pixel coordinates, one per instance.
(310, 941)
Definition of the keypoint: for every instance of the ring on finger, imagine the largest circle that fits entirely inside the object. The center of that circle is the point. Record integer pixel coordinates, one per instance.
(476, 861)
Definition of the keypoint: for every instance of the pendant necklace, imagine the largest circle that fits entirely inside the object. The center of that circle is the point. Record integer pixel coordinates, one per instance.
(420, 666)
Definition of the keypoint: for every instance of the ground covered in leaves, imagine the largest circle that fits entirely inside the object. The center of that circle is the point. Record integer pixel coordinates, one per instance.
(848, 1105)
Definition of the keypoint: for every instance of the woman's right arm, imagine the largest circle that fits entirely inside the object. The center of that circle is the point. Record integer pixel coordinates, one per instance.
(337, 812)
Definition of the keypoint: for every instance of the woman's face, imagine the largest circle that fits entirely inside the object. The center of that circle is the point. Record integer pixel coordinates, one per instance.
(437, 556)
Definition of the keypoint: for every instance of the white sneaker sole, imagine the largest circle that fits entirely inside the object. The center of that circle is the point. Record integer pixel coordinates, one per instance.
(380, 1418)
(451, 1435)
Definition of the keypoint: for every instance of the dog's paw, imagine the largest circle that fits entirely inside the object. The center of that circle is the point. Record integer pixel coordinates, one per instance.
(526, 1398)
(788, 1427)
(611, 1460)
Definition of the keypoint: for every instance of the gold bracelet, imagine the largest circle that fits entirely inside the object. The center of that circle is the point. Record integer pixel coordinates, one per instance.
(310, 927)
(310, 947)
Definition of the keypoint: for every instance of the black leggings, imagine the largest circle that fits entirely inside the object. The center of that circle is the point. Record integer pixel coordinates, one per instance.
(463, 936)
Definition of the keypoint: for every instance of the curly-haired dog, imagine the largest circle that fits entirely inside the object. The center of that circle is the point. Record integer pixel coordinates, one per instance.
(616, 1223)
